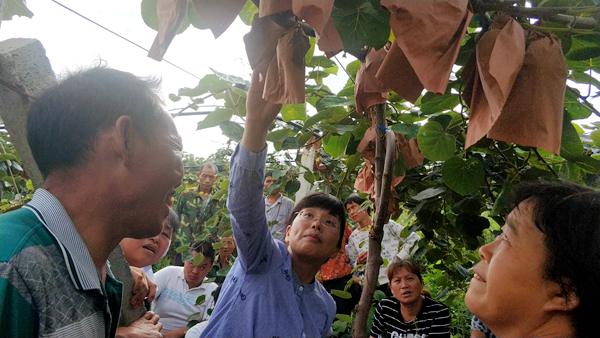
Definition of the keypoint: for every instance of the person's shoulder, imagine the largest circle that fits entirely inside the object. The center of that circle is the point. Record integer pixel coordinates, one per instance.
(209, 286)
(433, 304)
(171, 270)
(19, 230)
(288, 200)
(325, 297)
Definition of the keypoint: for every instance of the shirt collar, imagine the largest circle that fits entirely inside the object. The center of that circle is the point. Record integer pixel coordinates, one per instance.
(77, 258)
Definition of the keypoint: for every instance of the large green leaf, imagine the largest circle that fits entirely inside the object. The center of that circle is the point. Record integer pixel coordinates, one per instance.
(277, 136)
(408, 130)
(291, 112)
(574, 107)
(432, 103)
(232, 130)
(336, 145)
(361, 23)
(571, 147)
(463, 176)
(215, 118)
(584, 47)
(435, 143)
(332, 101)
(248, 12)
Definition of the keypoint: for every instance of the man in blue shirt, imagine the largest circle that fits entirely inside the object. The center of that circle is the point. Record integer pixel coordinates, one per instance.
(271, 289)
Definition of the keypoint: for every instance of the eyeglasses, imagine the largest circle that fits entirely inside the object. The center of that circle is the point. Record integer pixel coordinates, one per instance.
(309, 216)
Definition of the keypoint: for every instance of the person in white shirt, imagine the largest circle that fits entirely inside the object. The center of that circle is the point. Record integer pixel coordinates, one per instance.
(392, 245)
(184, 291)
(278, 208)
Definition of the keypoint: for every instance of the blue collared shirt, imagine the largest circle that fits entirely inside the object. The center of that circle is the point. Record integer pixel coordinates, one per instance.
(261, 296)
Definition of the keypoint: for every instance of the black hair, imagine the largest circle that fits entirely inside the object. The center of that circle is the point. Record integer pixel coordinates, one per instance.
(354, 198)
(569, 217)
(63, 123)
(205, 248)
(408, 264)
(324, 201)
(173, 220)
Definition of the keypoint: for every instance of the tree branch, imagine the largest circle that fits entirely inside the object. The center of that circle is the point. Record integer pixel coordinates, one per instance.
(382, 184)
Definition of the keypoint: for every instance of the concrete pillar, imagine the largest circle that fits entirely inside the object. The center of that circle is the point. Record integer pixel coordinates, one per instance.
(25, 72)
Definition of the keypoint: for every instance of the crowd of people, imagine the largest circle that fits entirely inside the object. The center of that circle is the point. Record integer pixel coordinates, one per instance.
(111, 159)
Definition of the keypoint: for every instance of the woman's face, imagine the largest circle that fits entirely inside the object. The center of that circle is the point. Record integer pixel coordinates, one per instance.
(406, 286)
(509, 288)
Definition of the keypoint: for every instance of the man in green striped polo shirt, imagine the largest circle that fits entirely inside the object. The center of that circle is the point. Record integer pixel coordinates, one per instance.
(110, 157)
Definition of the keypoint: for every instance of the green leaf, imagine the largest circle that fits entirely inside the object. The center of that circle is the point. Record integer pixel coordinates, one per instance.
(336, 145)
(435, 143)
(343, 317)
(311, 50)
(217, 245)
(232, 130)
(215, 118)
(198, 259)
(277, 136)
(15, 7)
(361, 23)
(347, 91)
(429, 193)
(341, 294)
(408, 130)
(200, 299)
(574, 107)
(463, 176)
(584, 47)
(291, 187)
(209, 83)
(352, 68)
(595, 136)
(332, 101)
(291, 112)
(148, 9)
(571, 147)
(432, 103)
(248, 12)
(290, 143)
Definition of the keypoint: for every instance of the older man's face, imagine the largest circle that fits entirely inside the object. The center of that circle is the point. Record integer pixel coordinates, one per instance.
(206, 178)
(157, 170)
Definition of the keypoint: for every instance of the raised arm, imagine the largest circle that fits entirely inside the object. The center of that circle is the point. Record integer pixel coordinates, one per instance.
(245, 200)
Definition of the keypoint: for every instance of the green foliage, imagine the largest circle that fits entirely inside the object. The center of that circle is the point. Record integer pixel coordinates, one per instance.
(16, 188)
(458, 197)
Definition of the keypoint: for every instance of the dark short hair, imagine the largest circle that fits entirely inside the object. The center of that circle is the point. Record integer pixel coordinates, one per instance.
(173, 220)
(324, 201)
(63, 123)
(205, 248)
(407, 264)
(354, 198)
(569, 217)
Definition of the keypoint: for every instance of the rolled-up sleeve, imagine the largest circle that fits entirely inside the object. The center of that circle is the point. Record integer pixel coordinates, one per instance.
(247, 207)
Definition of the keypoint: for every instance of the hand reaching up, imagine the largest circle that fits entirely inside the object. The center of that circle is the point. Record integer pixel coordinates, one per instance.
(259, 114)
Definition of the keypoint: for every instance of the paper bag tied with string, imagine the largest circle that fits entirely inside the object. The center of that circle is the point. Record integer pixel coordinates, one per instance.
(278, 55)
(217, 15)
(428, 33)
(408, 149)
(368, 90)
(317, 13)
(170, 14)
(284, 82)
(498, 59)
(533, 114)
